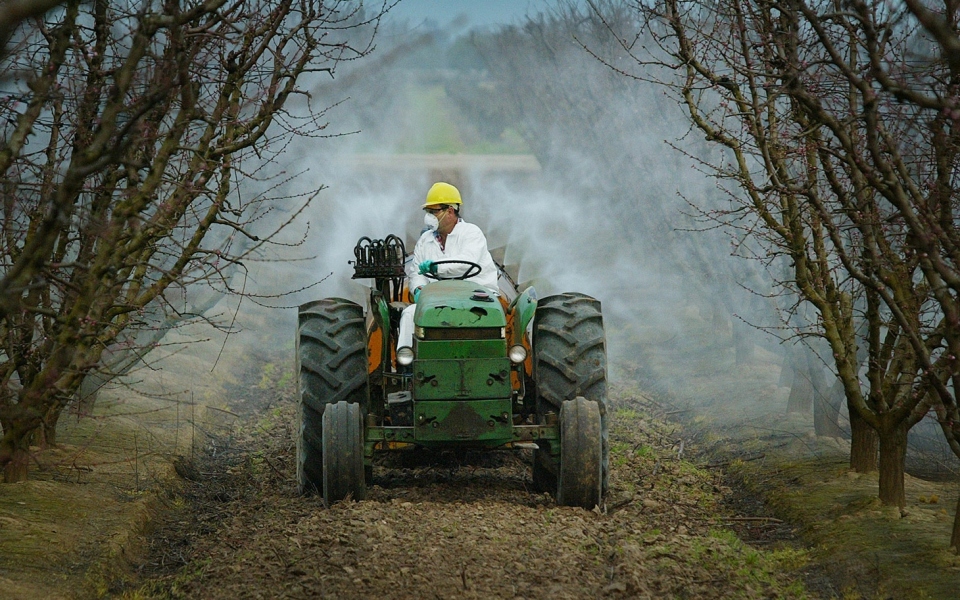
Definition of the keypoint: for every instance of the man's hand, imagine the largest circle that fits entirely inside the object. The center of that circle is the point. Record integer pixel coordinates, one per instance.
(427, 266)
(416, 294)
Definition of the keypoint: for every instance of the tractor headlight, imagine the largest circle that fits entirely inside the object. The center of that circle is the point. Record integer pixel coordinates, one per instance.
(517, 354)
(405, 356)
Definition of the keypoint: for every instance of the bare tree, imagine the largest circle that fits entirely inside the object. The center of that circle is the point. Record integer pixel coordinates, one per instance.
(15, 12)
(574, 113)
(828, 165)
(140, 153)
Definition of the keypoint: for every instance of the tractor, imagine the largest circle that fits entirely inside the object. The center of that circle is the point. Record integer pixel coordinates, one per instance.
(486, 370)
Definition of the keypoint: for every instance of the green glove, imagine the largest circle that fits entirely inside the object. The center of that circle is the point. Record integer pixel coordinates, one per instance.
(416, 294)
(427, 266)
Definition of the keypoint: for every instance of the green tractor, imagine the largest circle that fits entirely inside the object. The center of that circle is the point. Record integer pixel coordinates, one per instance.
(485, 371)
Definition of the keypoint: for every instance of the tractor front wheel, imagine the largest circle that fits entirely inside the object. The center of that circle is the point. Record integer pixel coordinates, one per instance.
(343, 473)
(569, 361)
(580, 477)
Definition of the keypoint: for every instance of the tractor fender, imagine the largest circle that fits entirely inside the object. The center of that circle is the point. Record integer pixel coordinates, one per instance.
(379, 340)
(521, 311)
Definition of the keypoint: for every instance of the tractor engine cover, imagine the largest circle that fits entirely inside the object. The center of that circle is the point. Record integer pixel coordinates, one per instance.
(461, 376)
(458, 305)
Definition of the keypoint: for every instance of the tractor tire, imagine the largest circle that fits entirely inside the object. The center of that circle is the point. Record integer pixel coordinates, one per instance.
(569, 360)
(544, 472)
(331, 367)
(580, 478)
(343, 473)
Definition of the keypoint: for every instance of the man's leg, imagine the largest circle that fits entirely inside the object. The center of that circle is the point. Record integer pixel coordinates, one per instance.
(405, 337)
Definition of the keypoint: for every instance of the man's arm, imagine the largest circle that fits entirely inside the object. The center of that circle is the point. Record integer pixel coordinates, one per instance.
(472, 246)
(414, 278)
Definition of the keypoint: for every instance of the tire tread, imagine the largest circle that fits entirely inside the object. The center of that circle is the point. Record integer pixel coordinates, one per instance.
(331, 367)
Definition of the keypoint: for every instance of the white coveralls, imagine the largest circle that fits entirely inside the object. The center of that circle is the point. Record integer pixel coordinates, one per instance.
(465, 242)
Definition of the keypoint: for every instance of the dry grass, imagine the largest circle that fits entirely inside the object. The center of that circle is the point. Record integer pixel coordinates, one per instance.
(76, 528)
(736, 415)
(680, 491)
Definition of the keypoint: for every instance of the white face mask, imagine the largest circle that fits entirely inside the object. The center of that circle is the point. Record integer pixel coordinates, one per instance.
(431, 221)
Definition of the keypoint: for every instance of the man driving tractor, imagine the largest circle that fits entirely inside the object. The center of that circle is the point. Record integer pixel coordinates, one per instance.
(447, 238)
(465, 370)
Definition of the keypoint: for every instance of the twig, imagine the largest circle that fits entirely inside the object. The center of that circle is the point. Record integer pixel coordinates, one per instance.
(282, 560)
(275, 469)
(223, 410)
(759, 519)
(740, 519)
(619, 505)
(727, 462)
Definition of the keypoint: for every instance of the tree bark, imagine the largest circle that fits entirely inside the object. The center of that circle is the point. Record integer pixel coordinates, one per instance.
(863, 443)
(893, 457)
(14, 456)
(48, 429)
(955, 538)
(88, 392)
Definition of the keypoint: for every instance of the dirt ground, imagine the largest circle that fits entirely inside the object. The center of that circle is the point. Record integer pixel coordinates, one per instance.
(465, 525)
(187, 491)
(735, 415)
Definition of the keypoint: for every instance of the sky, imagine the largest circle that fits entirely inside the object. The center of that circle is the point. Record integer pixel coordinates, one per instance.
(478, 12)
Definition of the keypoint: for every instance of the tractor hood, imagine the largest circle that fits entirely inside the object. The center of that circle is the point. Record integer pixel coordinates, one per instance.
(455, 303)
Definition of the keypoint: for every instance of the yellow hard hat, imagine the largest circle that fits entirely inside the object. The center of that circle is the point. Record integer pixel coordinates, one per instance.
(442, 193)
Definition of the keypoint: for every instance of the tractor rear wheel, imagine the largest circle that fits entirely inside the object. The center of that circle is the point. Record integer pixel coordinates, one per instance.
(343, 473)
(569, 360)
(580, 479)
(331, 367)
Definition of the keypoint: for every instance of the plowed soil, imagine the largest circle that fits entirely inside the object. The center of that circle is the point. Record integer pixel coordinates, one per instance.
(462, 525)
(708, 507)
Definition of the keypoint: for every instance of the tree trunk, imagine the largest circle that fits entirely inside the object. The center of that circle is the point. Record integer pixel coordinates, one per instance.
(863, 443)
(14, 455)
(893, 457)
(826, 411)
(48, 430)
(801, 392)
(88, 392)
(45, 435)
(955, 538)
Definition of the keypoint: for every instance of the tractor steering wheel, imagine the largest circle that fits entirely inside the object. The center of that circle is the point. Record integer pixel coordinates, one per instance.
(473, 269)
